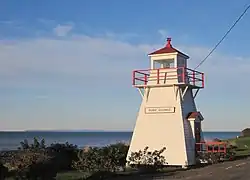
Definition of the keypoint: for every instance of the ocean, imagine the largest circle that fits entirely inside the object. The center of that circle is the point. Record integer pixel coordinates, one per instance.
(11, 140)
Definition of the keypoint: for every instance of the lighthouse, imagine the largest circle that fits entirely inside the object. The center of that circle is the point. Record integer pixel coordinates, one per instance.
(168, 116)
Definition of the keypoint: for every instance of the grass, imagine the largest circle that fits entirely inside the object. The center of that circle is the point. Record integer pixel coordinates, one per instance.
(71, 175)
(243, 145)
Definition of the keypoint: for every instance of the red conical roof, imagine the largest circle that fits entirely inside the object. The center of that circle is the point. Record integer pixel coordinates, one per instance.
(167, 49)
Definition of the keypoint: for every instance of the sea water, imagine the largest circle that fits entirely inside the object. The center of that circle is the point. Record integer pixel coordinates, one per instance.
(11, 140)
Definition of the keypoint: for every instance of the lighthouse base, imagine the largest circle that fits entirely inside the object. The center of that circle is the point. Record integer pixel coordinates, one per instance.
(162, 122)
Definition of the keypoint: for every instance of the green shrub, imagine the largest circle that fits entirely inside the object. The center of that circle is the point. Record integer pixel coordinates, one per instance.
(246, 132)
(64, 155)
(28, 164)
(36, 145)
(148, 160)
(110, 158)
(35, 160)
(3, 171)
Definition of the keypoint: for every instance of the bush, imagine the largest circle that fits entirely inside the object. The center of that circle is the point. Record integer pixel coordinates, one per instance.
(246, 132)
(110, 158)
(35, 160)
(217, 140)
(64, 155)
(29, 164)
(35, 146)
(147, 160)
(3, 171)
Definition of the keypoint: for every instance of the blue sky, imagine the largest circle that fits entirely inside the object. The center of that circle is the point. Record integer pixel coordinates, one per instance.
(67, 64)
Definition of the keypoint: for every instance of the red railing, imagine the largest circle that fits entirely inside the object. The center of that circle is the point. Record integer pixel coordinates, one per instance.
(211, 147)
(164, 75)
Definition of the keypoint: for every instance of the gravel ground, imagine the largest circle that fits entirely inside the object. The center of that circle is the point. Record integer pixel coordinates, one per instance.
(232, 170)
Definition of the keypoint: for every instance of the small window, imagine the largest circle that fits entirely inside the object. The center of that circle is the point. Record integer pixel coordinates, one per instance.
(157, 65)
(168, 63)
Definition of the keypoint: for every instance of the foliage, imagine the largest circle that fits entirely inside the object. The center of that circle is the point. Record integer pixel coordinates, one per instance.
(217, 140)
(36, 145)
(109, 158)
(64, 155)
(246, 132)
(147, 159)
(3, 171)
(242, 146)
(28, 164)
(34, 160)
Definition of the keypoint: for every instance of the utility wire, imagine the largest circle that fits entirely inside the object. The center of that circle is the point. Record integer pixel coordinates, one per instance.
(239, 18)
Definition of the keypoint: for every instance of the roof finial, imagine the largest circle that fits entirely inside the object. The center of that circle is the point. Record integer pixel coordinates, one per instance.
(169, 42)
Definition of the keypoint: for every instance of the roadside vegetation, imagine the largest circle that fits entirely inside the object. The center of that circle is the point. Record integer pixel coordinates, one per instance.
(35, 160)
(67, 162)
(241, 143)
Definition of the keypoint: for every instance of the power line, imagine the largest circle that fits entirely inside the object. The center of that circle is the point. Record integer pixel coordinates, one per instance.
(239, 18)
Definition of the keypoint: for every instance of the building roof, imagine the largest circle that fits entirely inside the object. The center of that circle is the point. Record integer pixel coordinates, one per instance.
(167, 49)
(193, 115)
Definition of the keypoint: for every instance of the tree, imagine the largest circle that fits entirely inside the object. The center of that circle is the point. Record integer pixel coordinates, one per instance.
(246, 132)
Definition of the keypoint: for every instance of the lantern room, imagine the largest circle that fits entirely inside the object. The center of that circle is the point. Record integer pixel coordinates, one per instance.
(168, 66)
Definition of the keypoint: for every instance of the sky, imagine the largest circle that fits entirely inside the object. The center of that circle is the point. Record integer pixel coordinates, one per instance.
(67, 65)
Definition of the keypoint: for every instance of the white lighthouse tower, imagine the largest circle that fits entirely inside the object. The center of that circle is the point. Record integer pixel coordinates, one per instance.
(168, 116)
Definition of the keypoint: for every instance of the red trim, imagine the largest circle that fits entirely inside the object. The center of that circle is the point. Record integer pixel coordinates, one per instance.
(202, 79)
(193, 115)
(214, 147)
(187, 76)
(193, 77)
(145, 79)
(183, 75)
(133, 78)
(169, 43)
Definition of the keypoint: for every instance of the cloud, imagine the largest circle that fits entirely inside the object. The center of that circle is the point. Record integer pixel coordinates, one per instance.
(80, 57)
(48, 60)
(101, 64)
(121, 36)
(47, 22)
(62, 30)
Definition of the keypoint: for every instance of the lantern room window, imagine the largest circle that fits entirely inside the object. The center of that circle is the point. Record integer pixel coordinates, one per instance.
(168, 63)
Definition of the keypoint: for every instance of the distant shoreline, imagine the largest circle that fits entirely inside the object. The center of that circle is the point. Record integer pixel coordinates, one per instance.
(11, 140)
